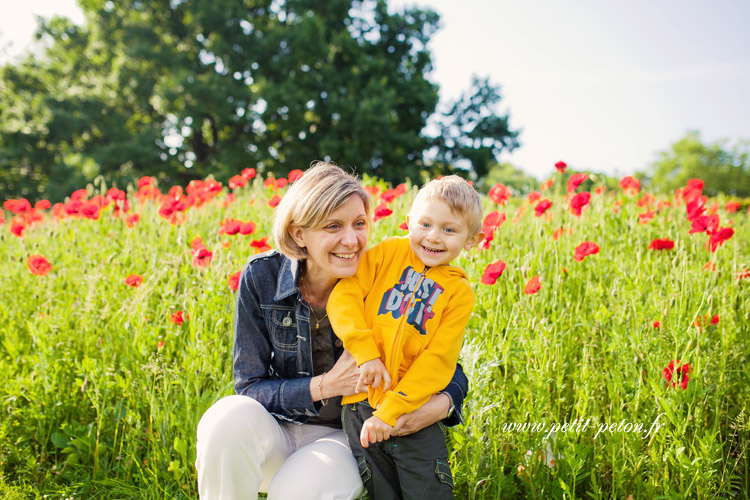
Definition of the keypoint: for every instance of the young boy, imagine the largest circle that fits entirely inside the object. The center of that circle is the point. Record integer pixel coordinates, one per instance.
(402, 316)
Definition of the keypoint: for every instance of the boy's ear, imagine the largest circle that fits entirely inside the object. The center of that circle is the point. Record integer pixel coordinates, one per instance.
(472, 242)
(297, 235)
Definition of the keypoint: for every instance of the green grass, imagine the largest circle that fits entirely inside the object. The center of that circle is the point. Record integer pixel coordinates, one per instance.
(92, 407)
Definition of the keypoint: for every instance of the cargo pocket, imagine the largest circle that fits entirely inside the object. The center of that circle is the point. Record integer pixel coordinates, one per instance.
(364, 471)
(443, 472)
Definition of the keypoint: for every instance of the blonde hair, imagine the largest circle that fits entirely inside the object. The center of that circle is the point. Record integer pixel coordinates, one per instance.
(459, 195)
(310, 200)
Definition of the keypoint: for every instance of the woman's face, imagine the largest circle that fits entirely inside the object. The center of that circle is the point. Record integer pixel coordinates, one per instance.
(334, 250)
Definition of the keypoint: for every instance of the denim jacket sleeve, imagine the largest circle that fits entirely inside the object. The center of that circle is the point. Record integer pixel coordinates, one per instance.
(456, 390)
(285, 395)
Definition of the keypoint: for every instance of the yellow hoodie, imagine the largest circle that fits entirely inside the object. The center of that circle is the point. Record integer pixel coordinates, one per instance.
(409, 316)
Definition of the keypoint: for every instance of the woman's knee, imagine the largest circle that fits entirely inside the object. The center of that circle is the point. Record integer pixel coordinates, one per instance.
(228, 420)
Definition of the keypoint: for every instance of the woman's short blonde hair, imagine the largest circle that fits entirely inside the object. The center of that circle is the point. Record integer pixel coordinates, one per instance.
(459, 195)
(322, 190)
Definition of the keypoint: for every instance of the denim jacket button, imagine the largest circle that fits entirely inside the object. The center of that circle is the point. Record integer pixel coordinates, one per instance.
(287, 321)
(339, 343)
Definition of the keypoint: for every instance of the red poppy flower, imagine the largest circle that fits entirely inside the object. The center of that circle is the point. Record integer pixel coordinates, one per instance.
(45, 204)
(585, 249)
(234, 280)
(177, 318)
(295, 174)
(492, 272)
(269, 182)
(631, 184)
(146, 181)
(160, 344)
(381, 211)
(718, 237)
(230, 226)
(134, 280)
(280, 183)
(657, 324)
(709, 266)
(715, 319)
(247, 228)
(558, 232)
(676, 374)
(600, 189)
(248, 173)
(561, 166)
(17, 227)
(202, 257)
(578, 202)
(132, 219)
(38, 265)
(237, 181)
(542, 207)
(274, 201)
(546, 184)
(403, 226)
(499, 194)
(90, 210)
(260, 245)
(532, 286)
(732, 206)
(391, 194)
(17, 207)
(661, 244)
(197, 243)
(533, 197)
(646, 216)
(575, 181)
(492, 221)
(486, 242)
(703, 223)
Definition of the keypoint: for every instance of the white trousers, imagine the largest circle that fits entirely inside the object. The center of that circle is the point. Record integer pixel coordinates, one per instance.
(243, 450)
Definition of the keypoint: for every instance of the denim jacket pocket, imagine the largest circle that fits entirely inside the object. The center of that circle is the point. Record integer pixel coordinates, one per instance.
(283, 329)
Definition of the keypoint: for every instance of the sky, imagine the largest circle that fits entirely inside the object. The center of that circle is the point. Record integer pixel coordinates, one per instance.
(603, 86)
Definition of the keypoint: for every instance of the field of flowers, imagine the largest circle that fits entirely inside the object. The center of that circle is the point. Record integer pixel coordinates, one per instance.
(607, 354)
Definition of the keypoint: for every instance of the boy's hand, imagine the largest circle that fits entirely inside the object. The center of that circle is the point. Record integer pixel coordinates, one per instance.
(374, 430)
(372, 373)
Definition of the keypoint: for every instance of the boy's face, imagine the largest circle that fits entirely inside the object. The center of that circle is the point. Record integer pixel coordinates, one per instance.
(436, 234)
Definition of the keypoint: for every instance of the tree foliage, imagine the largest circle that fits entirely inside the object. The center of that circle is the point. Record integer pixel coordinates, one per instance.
(723, 169)
(183, 89)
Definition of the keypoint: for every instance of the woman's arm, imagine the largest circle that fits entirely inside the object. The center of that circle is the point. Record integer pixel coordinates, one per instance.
(438, 407)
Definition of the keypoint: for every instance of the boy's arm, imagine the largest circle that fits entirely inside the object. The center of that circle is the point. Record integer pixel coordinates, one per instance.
(346, 308)
(433, 369)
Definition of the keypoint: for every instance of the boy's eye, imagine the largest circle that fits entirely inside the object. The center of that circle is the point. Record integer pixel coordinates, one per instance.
(450, 230)
(424, 224)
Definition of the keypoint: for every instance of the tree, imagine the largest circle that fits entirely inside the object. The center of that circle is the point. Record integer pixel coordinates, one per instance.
(181, 90)
(511, 176)
(723, 169)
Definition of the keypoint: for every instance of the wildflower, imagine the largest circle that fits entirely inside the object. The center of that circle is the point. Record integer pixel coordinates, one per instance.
(657, 324)
(600, 189)
(561, 166)
(630, 184)
(676, 374)
(542, 207)
(237, 181)
(718, 237)
(585, 249)
(381, 211)
(17, 227)
(17, 207)
(533, 197)
(521, 210)
(280, 183)
(90, 210)
(391, 194)
(710, 266)
(160, 344)
(743, 275)
(134, 280)
(575, 181)
(492, 272)
(558, 232)
(145, 181)
(661, 244)
(260, 245)
(202, 257)
(274, 201)
(234, 280)
(248, 173)
(546, 184)
(45, 204)
(532, 286)
(38, 265)
(499, 194)
(646, 216)
(703, 223)
(403, 226)
(177, 318)
(294, 175)
(579, 202)
(715, 319)
(492, 221)
(197, 243)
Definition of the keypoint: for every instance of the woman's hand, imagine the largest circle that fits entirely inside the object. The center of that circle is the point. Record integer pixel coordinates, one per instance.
(434, 410)
(341, 380)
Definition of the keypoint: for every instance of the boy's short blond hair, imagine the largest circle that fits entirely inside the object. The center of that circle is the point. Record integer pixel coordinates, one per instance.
(310, 200)
(459, 195)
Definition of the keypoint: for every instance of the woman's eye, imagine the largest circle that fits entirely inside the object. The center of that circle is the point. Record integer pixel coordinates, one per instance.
(332, 227)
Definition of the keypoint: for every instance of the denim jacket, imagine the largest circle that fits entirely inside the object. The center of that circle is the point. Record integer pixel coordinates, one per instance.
(272, 344)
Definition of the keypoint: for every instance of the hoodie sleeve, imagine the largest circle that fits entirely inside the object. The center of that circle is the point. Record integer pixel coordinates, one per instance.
(346, 307)
(433, 368)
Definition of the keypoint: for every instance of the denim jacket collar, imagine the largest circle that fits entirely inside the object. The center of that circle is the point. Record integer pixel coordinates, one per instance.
(287, 283)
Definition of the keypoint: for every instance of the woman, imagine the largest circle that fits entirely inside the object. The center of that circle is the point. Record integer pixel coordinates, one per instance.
(289, 368)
